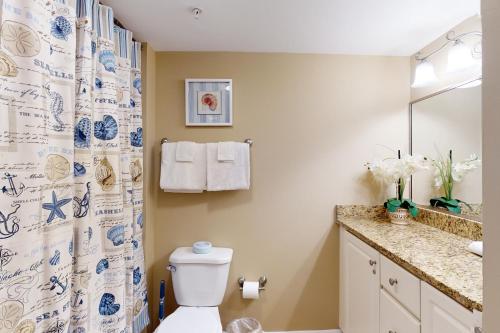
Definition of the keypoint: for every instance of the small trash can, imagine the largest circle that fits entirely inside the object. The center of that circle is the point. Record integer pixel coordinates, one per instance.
(244, 325)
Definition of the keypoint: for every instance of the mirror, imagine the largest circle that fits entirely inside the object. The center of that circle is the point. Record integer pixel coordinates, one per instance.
(448, 120)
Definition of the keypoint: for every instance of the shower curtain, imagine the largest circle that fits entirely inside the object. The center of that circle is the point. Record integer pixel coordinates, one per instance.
(71, 252)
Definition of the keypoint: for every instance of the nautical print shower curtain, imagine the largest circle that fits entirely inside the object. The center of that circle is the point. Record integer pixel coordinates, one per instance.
(71, 252)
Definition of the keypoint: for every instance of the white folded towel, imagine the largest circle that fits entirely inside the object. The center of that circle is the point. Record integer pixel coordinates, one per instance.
(228, 175)
(226, 151)
(477, 248)
(183, 177)
(184, 151)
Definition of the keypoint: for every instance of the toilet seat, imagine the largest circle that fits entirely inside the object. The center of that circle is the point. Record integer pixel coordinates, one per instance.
(188, 319)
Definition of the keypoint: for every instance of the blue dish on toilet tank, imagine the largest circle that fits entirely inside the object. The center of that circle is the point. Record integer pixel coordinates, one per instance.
(202, 247)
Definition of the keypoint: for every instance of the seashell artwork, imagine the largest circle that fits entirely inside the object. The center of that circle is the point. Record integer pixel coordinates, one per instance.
(19, 39)
(56, 168)
(116, 234)
(105, 175)
(138, 307)
(107, 59)
(81, 206)
(7, 65)
(136, 138)
(26, 326)
(132, 103)
(56, 258)
(102, 265)
(60, 28)
(56, 109)
(135, 243)
(137, 85)
(82, 133)
(136, 172)
(78, 169)
(98, 83)
(11, 313)
(209, 100)
(139, 220)
(137, 276)
(107, 129)
(107, 306)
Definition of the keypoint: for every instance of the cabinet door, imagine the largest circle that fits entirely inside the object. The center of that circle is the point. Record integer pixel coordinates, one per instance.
(394, 318)
(360, 286)
(441, 314)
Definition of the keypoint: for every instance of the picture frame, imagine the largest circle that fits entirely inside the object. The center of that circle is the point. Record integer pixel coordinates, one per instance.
(209, 102)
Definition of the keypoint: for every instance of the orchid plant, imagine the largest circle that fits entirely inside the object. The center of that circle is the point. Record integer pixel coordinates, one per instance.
(446, 174)
(398, 171)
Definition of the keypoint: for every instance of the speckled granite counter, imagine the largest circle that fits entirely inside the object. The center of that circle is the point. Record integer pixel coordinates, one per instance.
(435, 256)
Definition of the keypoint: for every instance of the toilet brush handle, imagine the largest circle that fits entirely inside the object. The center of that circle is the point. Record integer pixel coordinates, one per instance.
(161, 312)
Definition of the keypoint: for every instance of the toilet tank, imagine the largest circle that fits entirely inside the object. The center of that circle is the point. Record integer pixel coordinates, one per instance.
(200, 279)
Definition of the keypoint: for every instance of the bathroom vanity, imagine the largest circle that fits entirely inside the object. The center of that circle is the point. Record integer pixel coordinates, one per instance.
(406, 279)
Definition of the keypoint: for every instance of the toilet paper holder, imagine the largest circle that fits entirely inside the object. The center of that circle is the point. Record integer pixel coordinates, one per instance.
(262, 282)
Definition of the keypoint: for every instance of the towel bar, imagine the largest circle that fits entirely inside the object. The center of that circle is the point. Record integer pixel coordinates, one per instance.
(249, 141)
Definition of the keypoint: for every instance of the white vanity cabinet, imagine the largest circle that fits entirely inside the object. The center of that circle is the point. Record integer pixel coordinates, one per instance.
(394, 317)
(379, 296)
(360, 282)
(441, 314)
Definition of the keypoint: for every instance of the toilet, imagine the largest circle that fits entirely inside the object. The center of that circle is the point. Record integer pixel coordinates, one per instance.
(199, 282)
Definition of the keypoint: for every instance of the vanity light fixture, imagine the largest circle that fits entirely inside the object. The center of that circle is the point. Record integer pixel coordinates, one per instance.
(424, 74)
(460, 57)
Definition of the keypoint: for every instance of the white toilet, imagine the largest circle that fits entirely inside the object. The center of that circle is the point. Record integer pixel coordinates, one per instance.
(199, 282)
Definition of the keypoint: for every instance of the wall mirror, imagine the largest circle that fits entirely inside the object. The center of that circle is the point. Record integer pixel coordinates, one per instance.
(449, 120)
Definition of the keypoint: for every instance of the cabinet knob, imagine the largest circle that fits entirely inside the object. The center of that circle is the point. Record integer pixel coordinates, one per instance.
(393, 282)
(372, 262)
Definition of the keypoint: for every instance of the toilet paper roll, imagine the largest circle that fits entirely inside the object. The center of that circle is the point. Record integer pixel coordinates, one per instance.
(250, 290)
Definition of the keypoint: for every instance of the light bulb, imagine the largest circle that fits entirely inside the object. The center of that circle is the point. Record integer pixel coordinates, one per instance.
(459, 57)
(424, 74)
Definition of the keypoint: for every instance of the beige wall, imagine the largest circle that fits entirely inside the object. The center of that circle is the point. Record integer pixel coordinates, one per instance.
(491, 175)
(149, 115)
(315, 119)
(439, 60)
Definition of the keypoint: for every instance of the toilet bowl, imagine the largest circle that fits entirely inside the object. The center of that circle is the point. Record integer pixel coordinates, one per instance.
(188, 319)
(199, 282)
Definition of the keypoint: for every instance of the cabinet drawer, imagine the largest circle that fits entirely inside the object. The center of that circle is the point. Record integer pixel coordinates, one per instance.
(402, 285)
(394, 318)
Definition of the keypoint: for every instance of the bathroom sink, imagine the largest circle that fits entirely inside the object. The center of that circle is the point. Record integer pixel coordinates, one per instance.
(476, 248)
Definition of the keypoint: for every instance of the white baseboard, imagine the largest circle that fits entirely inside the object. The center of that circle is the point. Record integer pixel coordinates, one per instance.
(324, 331)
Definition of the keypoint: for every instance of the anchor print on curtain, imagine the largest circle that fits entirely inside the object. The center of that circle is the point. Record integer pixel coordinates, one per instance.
(71, 252)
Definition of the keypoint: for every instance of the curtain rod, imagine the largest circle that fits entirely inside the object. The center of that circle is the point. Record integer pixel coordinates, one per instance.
(118, 23)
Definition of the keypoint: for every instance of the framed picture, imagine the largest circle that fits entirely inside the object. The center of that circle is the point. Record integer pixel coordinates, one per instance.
(209, 102)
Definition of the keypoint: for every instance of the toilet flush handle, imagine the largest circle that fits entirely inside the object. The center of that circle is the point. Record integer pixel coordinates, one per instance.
(171, 268)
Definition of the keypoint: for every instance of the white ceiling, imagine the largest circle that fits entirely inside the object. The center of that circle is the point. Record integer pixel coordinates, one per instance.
(374, 27)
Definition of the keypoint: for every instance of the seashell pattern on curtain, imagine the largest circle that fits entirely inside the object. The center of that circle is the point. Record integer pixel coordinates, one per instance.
(71, 245)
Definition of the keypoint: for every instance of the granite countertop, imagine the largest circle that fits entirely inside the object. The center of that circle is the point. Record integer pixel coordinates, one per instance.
(435, 256)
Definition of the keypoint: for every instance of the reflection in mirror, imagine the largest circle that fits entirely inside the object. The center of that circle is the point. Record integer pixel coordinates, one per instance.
(449, 120)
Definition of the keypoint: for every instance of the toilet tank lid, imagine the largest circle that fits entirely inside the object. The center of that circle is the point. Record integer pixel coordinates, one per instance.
(185, 255)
